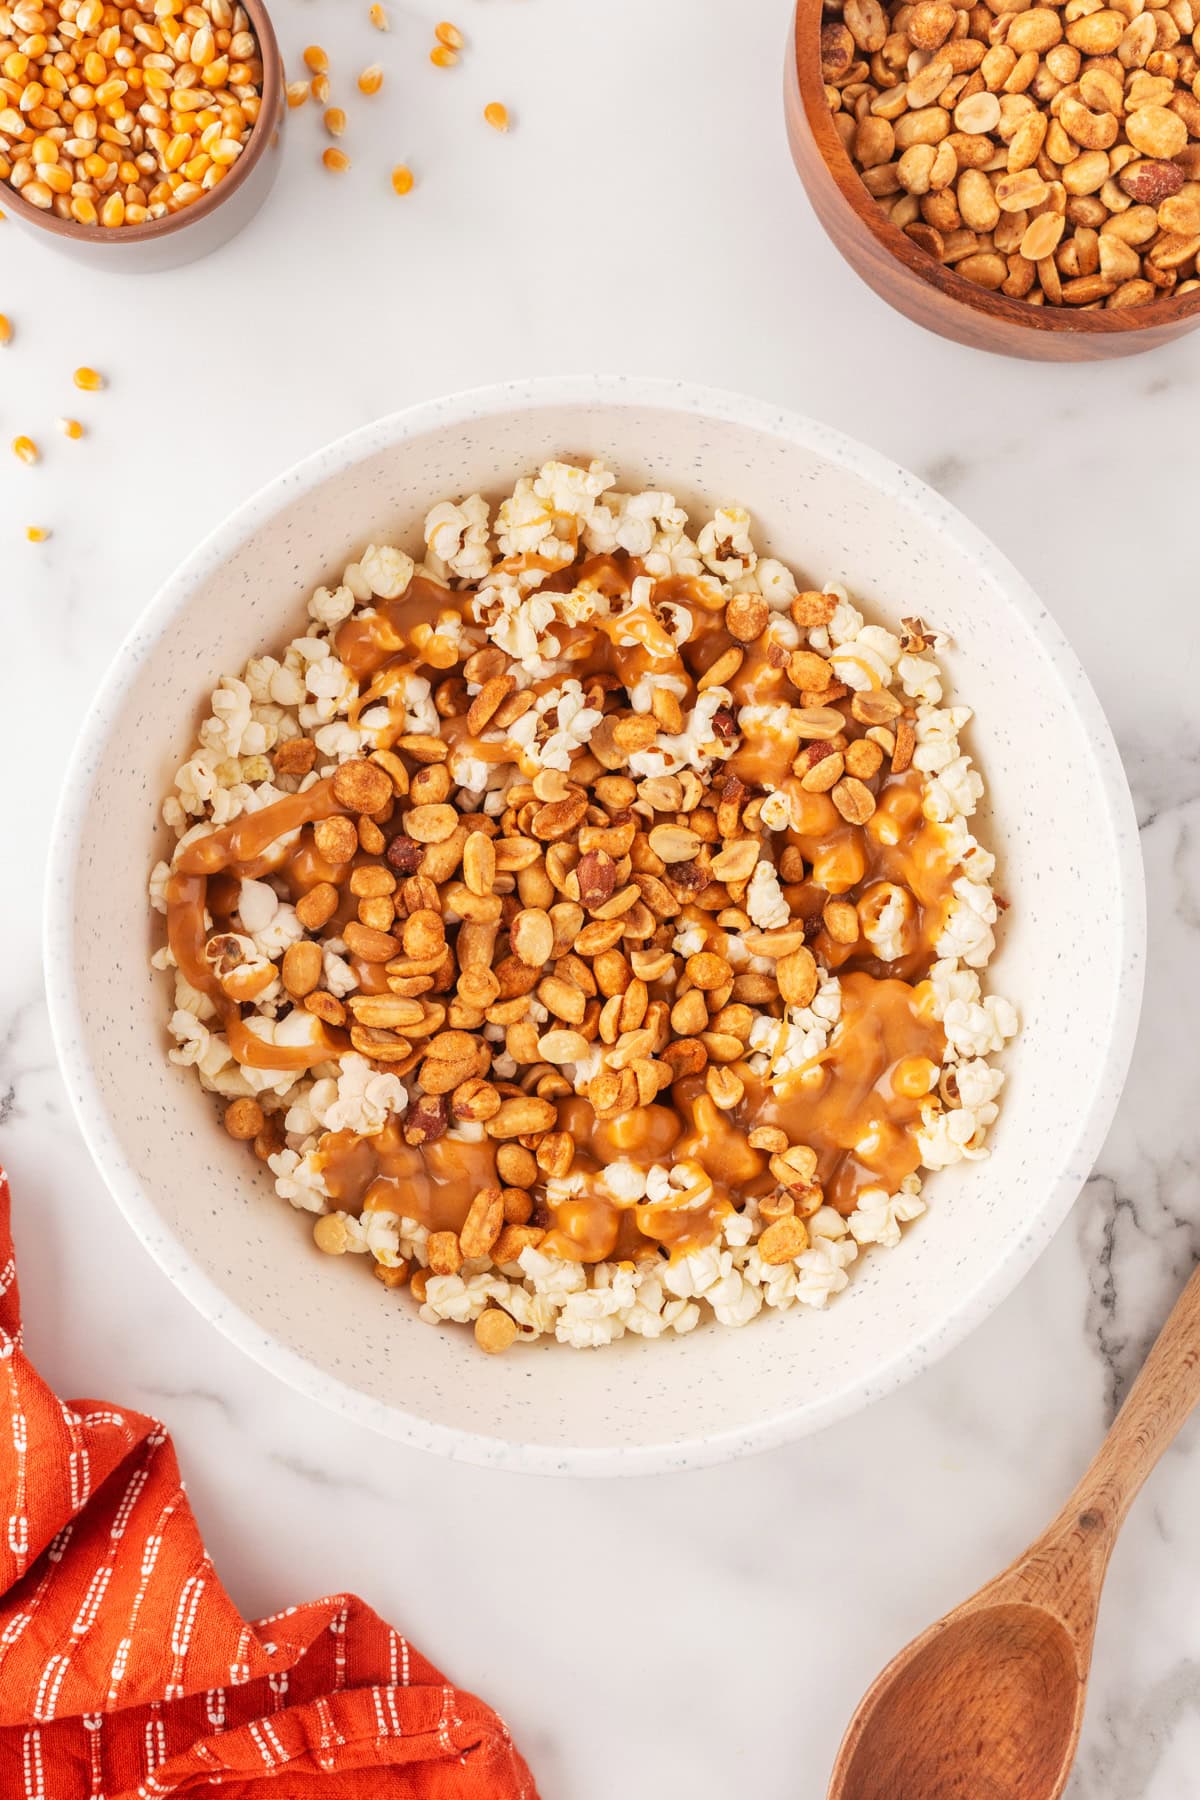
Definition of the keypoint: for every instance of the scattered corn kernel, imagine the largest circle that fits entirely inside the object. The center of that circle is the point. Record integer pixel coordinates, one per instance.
(320, 89)
(5, 330)
(334, 121)
(449, 35)
(37, 534)
(442, 57)
(336, 160)
(371, 80)
(25, 448)
(297, 93)
(378, 17)
(496, 115)
(88, 380)
(402, 179)
(70, 428)
(316, 60)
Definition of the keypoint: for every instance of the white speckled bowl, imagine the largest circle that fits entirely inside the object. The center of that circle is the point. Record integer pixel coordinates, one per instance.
(1071, 955)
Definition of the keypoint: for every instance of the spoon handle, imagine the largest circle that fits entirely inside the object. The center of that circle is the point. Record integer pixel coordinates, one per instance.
(1083, 1534)
(1165, 1392)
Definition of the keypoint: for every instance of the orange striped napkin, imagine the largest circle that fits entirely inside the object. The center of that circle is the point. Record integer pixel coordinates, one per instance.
(126, 1670)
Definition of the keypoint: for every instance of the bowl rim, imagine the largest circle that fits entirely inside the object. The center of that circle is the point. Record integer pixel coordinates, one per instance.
(1161, 314)
(970, 1308)
(271, 110)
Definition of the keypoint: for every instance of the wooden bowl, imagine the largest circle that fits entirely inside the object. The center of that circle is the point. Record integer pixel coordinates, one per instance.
(909, 279)
(183, 236)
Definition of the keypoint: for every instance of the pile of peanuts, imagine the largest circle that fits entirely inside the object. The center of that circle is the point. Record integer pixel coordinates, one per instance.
(569, 897)
(547, 932)
(114, 116)
(1047, 151)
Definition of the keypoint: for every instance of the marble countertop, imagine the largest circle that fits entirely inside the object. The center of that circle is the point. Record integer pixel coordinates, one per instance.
(644, 219)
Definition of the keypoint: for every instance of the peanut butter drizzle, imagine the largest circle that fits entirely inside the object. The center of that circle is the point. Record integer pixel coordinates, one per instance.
(608, 573)
(592, 1225)
(649, 635)
(763, 755)
(896, 845)
(246, 849)
(762, 679)
(859, 1107)
(388, 687)
(247, 839)
(187, 936)
(366, 641)
(592, 649)
(485, 750)
(849, 1097)
(434, 1184)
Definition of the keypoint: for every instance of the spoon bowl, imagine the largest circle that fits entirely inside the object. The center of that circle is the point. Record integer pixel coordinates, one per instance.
(986, 1705)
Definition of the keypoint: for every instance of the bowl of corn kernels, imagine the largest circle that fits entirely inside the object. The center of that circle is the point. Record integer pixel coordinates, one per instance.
(138, 136)
(1023, 178)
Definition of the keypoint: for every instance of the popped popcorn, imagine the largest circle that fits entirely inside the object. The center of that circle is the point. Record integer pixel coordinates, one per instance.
(725, 544)
(330, 606)
(879, 1215)
(458, 537)
(554, 916)
(764, 898)
(386, 570)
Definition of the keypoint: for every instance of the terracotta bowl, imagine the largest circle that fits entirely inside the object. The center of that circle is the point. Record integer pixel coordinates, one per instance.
(183, 236)
(909, 279)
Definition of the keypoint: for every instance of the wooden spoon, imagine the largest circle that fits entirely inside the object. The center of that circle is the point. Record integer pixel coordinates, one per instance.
(988, 1703)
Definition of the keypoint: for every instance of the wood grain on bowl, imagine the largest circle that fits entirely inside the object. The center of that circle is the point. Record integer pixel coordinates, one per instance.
(909, 279)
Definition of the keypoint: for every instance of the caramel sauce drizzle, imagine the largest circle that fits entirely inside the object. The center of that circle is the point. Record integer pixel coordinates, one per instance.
(857, 1105)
